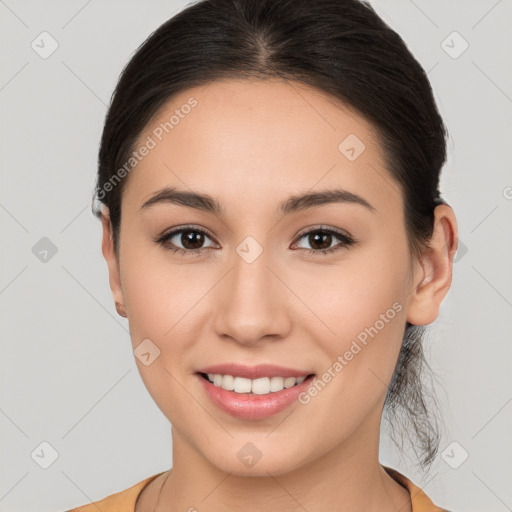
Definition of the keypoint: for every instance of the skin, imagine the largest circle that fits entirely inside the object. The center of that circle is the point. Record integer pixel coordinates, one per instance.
(250, 145)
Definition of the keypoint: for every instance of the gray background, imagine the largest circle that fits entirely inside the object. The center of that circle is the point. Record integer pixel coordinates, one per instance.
(68, 375)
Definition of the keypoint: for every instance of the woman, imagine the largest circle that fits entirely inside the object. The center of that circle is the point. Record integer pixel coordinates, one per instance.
(272, 225)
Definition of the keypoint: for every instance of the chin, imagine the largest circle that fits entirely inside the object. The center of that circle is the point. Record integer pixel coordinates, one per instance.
(257, 458)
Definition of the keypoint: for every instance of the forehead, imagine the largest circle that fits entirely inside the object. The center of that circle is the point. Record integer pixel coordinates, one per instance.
(254, 142)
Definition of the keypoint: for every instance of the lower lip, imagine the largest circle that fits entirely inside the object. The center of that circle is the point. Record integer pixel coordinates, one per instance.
(253, 406)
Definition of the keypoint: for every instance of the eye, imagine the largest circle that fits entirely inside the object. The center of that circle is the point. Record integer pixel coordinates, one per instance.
(192, 240)
(323, 237)
(190, 237)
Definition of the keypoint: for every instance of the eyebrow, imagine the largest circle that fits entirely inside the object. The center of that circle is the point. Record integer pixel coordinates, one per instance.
(295, 203)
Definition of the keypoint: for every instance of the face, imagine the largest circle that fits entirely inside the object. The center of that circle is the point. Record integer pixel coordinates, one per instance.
(320, 287)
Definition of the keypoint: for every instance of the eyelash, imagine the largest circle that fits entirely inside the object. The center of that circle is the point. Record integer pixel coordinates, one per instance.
(346, 240)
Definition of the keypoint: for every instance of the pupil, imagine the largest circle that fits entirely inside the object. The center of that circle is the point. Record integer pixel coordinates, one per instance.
(189, 236)
(324, 246)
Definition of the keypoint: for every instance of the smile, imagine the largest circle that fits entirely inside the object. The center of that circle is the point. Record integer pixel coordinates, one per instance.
(260, 386)
(252, 399)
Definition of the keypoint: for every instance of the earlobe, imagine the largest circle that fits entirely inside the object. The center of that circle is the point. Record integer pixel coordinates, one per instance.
(121, 310)
(107, 248)
(433, 276)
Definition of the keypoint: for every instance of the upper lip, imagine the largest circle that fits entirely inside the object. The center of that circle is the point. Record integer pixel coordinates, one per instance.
(254, 372)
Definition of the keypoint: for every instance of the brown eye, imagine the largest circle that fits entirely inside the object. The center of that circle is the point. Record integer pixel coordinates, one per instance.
(321, 240)
(191, 239)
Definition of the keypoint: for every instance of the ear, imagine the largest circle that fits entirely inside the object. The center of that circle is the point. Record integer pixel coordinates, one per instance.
(107, 248)
(433, 273)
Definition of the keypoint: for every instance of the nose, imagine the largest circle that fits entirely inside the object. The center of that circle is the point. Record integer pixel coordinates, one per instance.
(253, 302)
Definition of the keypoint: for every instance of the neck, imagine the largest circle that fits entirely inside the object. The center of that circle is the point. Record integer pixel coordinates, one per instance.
(347, 478)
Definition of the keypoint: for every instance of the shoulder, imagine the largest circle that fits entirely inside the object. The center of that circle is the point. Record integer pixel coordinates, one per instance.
(123, 500)
(420, 501)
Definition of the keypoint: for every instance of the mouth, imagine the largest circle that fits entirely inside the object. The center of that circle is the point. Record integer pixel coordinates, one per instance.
(253, 399)
(258, 386)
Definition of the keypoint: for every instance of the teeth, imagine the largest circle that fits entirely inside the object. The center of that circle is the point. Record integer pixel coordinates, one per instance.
(241, 385)
(261, 386)
(276, 384)
(227, 382)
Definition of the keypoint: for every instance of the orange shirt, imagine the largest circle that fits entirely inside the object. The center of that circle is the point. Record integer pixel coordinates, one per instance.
(124, 501)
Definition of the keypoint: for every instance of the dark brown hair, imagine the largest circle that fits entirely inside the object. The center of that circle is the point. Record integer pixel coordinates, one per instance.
(340, 47)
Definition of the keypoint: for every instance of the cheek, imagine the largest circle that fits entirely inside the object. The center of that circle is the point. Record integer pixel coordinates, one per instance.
(355, 295)
(363, 306)
(165, 306)
(158, 291)
(360, 360)
(160, 299)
